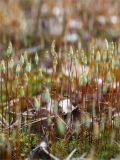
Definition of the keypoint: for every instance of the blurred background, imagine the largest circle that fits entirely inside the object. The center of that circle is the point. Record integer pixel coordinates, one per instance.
(35, 23)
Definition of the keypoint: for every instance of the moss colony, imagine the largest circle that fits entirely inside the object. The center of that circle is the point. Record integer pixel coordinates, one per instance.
(63, 105)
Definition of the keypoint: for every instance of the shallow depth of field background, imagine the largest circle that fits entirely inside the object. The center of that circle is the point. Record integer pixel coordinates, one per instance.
(31, 23)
